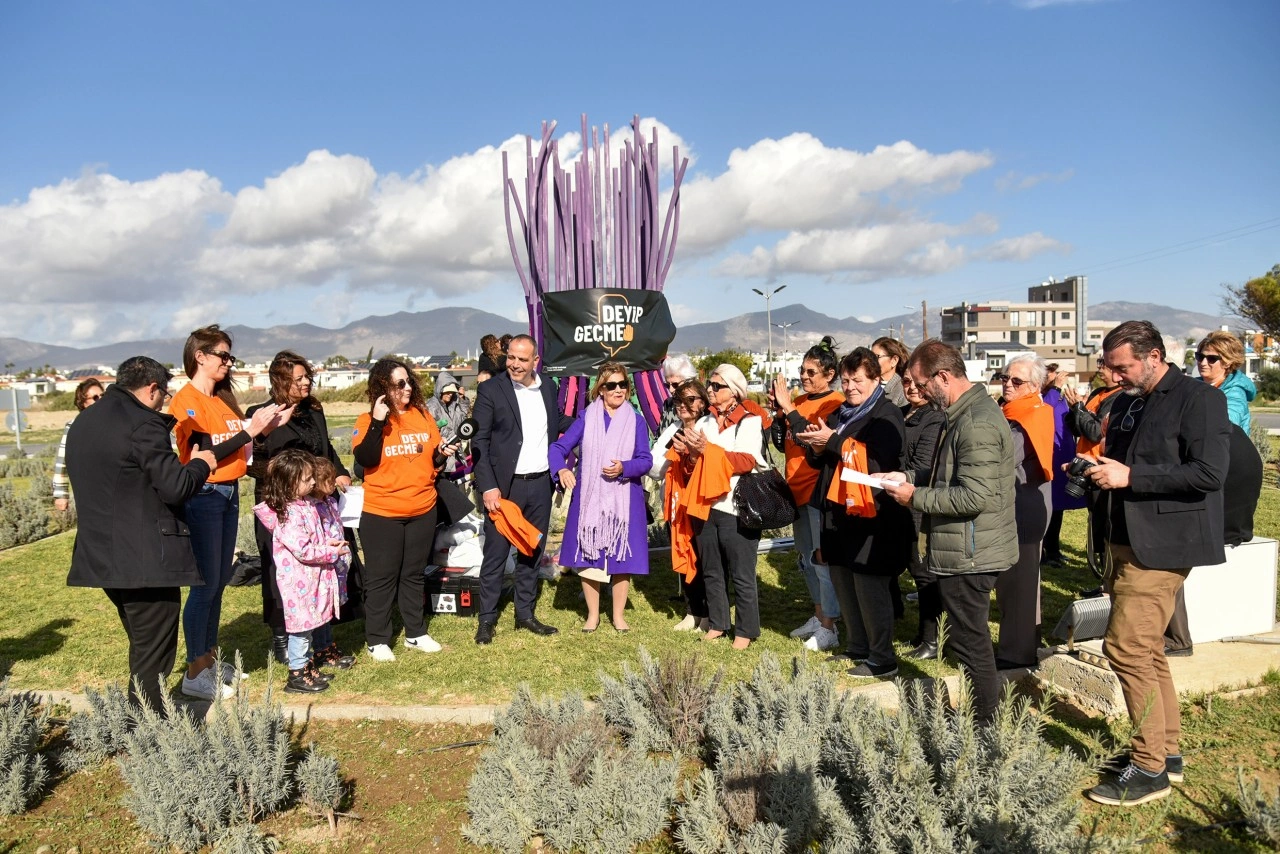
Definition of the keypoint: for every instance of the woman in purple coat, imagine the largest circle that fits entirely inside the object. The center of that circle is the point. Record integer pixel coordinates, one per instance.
(605, 534)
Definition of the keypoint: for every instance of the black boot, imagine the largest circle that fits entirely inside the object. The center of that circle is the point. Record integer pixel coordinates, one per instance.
(305, 681)
(280, 648)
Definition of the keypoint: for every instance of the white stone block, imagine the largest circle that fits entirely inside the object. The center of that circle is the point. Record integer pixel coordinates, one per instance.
(1234, 598)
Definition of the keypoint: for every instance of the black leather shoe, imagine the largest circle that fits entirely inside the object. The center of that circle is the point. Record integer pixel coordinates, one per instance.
(1179, 652)
(538, 628)
(484, 634)
(924, 652)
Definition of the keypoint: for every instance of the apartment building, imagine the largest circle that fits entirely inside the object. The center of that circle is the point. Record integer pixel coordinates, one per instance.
(1048, 323)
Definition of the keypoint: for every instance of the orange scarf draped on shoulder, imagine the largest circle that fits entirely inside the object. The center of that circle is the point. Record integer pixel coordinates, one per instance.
(1093, 404)
(706, 484)
(856, 498)
(1035, 417)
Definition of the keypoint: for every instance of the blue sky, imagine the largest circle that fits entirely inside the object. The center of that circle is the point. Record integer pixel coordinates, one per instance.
(169, 165)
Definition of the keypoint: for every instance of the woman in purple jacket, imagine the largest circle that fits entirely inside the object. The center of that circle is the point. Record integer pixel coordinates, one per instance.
(604, 534)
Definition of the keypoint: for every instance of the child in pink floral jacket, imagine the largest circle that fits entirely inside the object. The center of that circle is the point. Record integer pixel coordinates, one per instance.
(306, 560)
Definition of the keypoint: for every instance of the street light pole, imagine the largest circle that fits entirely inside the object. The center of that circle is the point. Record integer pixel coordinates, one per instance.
(784, 327)
(768, 316)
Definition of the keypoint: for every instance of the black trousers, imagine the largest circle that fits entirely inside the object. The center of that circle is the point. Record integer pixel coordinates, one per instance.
(929, 598)
(1178, 633)
(967, 601)
(727, 549)
(396, 553)
(272, 606)
(533, 497)
(150, 619)
(695, 594)
(1053, 537)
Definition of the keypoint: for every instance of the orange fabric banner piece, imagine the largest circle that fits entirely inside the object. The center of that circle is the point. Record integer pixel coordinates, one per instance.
(1035, 417)
(511, 523)
(1083, 445)
(856, 498)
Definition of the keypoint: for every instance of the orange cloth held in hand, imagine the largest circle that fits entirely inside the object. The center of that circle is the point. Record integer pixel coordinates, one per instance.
(1035, 417)
(1085, 447)
(511, 523)
(707, 484)
(856, 498)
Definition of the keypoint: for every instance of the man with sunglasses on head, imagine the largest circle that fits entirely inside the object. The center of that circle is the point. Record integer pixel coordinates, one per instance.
(1162, 467)
(517, 418)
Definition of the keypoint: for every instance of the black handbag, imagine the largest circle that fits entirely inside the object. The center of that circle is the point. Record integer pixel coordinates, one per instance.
(763, 499)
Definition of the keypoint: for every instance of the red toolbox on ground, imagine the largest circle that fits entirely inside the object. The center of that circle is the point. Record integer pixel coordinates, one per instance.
(450, 591)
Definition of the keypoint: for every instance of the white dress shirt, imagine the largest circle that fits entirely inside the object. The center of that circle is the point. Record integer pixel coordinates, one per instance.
(533, 420)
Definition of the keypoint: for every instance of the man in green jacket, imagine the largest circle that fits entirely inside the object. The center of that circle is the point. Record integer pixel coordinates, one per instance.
(967, 502)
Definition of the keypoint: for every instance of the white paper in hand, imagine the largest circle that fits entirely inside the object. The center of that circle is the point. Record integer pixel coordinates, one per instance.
(350, 503)
(850, 475)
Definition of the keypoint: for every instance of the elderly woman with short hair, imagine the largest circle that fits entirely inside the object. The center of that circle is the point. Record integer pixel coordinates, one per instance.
(87, 394)
(1018, 588)
(1220, 358)
(676, 369)
(726, 547)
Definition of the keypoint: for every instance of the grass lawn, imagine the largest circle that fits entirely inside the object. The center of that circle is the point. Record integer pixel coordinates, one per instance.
(57, 637)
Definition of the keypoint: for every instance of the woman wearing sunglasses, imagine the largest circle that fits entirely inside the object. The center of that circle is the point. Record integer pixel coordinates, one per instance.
(605, 538)
(1219, 358)
(1018, 588)
(726, 547)
(811, 407)
(87, 394)
(892, 356)
(209, 419)
(398, 445)
(691, 407)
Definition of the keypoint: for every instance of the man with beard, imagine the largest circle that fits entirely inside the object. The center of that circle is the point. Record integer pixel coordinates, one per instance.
(967, 500)
(1162, 468)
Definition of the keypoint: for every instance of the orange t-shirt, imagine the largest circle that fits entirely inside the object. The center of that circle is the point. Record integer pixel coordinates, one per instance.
(197, 412)
(801, 476)
(403, 484)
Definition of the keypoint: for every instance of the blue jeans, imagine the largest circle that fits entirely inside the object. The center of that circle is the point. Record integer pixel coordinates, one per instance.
(213, 515)
(817, 576)
(301, 643)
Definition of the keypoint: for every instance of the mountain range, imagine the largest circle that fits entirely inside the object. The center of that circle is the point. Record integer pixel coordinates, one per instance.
(442, 330)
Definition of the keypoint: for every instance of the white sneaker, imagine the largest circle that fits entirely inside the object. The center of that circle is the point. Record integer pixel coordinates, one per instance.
(206, 686)
(807, 630)
(688, 624)
(381, 652)
(823, 638)
(229, 674)
(422, 644)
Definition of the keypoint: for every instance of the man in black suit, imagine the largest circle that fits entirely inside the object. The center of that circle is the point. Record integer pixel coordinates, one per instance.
(131, 540)
(517, 417)
(1163, 468)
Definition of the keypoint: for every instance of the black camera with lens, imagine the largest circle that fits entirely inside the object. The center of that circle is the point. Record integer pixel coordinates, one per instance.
(1079, 483)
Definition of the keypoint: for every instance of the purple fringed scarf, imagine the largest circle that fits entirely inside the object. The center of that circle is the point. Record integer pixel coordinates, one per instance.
(605, 506)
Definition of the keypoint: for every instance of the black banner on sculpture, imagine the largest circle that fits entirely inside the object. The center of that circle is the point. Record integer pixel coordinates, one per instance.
(586, 327)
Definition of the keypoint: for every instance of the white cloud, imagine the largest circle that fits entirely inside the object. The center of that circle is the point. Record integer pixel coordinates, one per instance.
(797, 183)
(184, 249)
(1023, 247)
(1013, 182)
(1041, 4)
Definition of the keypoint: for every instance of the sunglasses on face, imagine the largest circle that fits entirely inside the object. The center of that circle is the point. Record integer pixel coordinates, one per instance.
(809, 372)
(92, 397)
(688, 402)
(1005, 379)
(715, 387)
(1211, 358)
(614, 385)
(226, 357)
(400, 384)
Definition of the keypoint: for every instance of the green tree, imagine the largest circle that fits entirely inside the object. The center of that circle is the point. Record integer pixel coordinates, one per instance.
(336, 361)
(1257, 301)
(707, 362)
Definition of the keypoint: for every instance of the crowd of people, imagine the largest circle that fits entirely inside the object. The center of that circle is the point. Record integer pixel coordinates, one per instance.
(896, 462)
